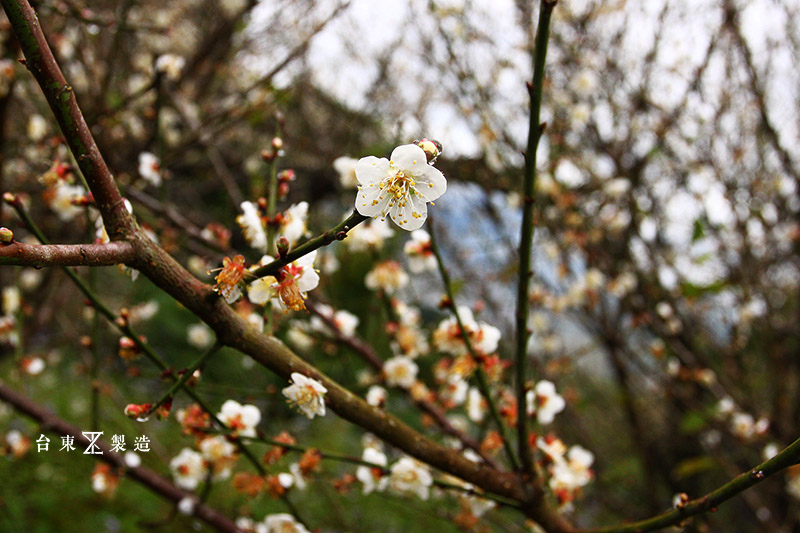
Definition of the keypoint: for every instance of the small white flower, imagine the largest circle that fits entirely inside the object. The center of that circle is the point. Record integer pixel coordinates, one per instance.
(476, 405)
(241, 418)
(187, 505)
(220, 453)
(283, 523)
(293, 224)
(398, 188)
(400, 371)
(372, 480)
(188, 469)
(368, 235)
(376, 396)
(346, 168)
(252, 227)
(544, 402)
(199, 335)
(307, 394)
(411, 477)
(150, 168)
(170, 65)
(290, 288)
(33, 366)
(62, 202)
(420, 252)
(387, 276)
(37, 128)
(132, 459)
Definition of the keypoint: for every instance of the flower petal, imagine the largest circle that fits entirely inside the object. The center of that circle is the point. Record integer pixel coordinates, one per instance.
(371, 170)
(408, 157)
(430, 183)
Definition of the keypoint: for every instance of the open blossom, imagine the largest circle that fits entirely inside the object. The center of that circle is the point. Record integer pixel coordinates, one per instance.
(243, 419)
(372, 478)
(307, 394)
(220, 454)
(293, 222)
(283, 523)
(398, 188)
(368, 235)
(420, 252)
(346, 168)
(544, 402)
(290, 287)
(483, 337)
(170, 65)
(150, 168)
(199, 335)
(231, 274)
(65, 200)
(377, 396)
(188, 469)
(400, 371)
(104, 480)
(387, 276)
(37, 128)
(344, 321)
(411, 477)
(252, 225)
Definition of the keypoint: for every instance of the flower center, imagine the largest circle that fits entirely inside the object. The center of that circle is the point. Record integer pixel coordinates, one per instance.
(397, 185)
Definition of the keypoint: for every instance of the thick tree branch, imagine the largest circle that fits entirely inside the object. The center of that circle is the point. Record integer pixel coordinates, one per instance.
(42, 255)
(60, 96)
(145, 476)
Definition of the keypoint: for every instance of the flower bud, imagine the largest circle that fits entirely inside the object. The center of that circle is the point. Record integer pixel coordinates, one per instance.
(432, 149)
(137, 411)
(277, 144)
(283, 247)
(6, 235)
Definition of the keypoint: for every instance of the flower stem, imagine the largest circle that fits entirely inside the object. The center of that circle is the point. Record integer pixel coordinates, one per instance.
(480, 375)
(526, 238)
(336, 233)
(185, 377)
(788, 457)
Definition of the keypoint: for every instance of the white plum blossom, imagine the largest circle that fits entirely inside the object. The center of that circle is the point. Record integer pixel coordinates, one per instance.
(252, 226)
(289, 289)
(11, 300)
(346, 168)
(344, 321)
(283, 523)
(293, 223)
(37, 128)
(793, 483)
(411, 477)
(62, 202)
(243, 419)
(368, 476)
(188, 469)
(420, 252)
(387, 276)
(400, 371)
(377, 396)
(199, 335)
(307, 394)
(476, 405)
(483, 337)
(398, 188)
(544, 402)
(220, 453)
(170, 65)
(368, 235)
(150, 168)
